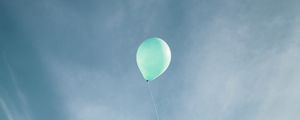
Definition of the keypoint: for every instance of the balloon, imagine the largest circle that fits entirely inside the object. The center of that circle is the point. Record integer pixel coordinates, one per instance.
(153, 58)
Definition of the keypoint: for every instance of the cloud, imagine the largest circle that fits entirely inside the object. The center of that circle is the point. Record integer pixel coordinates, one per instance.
(93, 93)
(232, 60)
(234, 76)
(4, 108)
(10, 109)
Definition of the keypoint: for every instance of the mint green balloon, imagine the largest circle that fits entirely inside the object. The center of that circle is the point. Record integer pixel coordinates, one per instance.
(153, 58)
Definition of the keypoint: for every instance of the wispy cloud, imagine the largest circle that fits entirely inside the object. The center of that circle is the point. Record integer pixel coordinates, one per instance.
(25, 112)
(7, 112)
(233, 60)
(234, 76)
(94, 94)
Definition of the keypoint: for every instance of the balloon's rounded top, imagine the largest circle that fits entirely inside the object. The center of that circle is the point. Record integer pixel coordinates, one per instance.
(153, 57)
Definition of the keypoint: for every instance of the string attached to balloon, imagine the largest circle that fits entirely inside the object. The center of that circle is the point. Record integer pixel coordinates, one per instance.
(153, 100)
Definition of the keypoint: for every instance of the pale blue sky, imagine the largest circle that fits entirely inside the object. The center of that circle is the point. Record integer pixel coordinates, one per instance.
(75, 59)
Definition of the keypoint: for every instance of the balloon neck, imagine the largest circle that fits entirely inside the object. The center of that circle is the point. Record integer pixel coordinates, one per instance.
(147, 81)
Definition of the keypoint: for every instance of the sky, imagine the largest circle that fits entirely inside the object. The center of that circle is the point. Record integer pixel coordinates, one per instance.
(75, 59)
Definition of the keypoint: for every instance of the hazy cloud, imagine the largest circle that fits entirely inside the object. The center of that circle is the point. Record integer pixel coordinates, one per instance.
(75, 60)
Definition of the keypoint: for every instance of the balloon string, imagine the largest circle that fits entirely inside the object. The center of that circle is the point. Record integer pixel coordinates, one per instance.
(153, 101)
